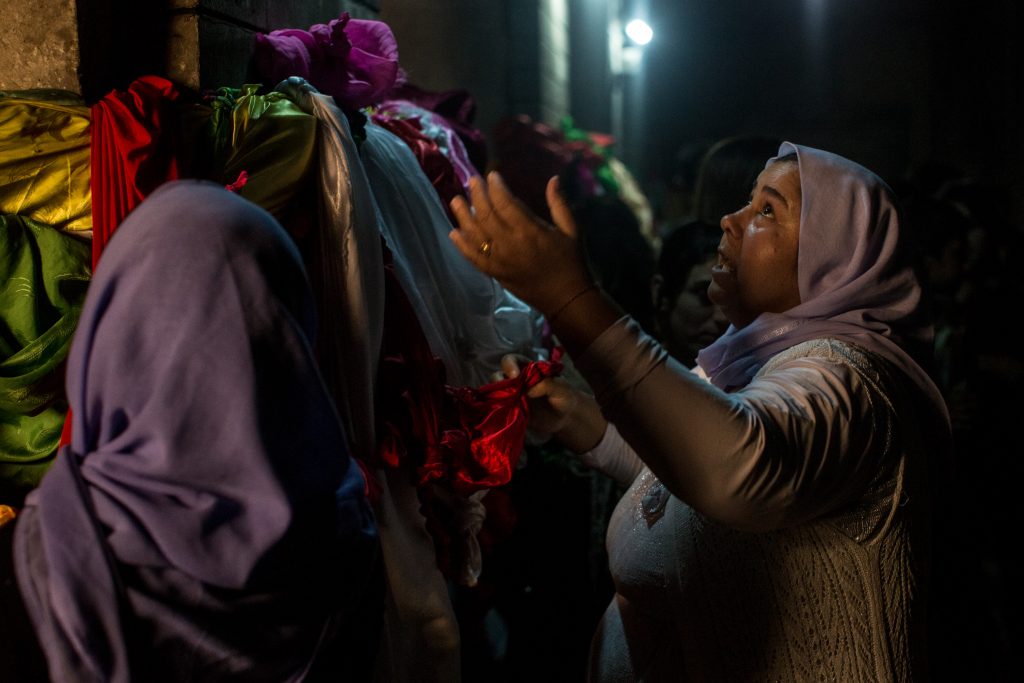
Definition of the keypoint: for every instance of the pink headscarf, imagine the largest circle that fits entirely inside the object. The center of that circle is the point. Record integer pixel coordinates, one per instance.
(856, 280)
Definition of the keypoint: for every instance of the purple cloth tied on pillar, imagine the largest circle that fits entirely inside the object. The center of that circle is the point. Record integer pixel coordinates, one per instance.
(353, 60)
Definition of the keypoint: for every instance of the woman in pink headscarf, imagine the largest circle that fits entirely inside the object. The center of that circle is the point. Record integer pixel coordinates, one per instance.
(775, 522)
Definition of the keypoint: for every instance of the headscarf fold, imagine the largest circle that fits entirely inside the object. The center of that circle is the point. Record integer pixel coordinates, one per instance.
(855, 277)
(207, 503)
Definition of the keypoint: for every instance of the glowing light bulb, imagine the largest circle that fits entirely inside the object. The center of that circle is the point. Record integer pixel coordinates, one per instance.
(639, 32)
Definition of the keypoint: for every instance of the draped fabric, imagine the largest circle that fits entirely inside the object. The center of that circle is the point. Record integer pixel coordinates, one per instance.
(436, 166)
(268, 137)
(44, 158)
(469, 320)
(353, 60)
(44, 275)
(855, 277)
(132, 152)
(455, 110)
(347, 269)
(494, 417)
(206, 522)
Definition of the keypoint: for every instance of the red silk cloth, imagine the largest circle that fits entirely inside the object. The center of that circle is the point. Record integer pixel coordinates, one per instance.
(465, 439)
(132, 154)
(484, 451)
(130, 157)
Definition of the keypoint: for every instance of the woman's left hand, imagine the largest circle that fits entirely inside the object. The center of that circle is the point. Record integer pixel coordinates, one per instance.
(540, 263)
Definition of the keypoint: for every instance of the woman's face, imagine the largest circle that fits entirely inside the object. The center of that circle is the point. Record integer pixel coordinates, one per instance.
(756, 270)
(694, 322)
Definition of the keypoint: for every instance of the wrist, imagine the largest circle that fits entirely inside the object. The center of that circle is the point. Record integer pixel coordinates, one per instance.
(562, 305)
(585, 428)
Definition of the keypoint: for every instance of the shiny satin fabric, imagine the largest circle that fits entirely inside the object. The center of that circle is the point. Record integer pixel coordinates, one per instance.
(266, 135)
(346, 269)
(45, 274)
(470, 321)
(132, 152)
(44, 158)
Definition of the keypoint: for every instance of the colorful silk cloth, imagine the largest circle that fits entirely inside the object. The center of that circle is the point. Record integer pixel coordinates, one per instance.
(432, 147)
(44, 158)
(133, 152)
(353, 60)
(44, 274)
(467, 439)
(266, 136)
(346, 269)
(455, 109)
(470, 321)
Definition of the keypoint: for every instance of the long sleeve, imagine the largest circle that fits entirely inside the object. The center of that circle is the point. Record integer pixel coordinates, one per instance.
(805, 436)
(614, 457)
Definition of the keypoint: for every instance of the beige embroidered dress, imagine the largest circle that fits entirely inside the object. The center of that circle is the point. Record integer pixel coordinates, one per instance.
(798, 554)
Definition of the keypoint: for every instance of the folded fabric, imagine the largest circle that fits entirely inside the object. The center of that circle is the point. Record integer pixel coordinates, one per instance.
(45, 274)
(346, 269)
(44, 158)
(133, 152)
(353, 60)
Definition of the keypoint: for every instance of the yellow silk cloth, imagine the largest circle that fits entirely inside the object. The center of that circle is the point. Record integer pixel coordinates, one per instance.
(44, 158)
(267, 136)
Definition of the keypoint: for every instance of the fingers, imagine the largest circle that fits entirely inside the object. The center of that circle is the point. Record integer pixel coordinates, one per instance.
(510, 365)
(472, 238)
(560, 212)
(505, 204)
(483, 211)
(468, 237)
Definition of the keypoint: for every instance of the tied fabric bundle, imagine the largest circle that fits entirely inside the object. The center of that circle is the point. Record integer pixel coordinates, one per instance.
(471, 438)
(493, 420)
(353, 60)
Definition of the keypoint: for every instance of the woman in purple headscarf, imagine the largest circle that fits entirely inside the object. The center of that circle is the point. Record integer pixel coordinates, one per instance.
(206, 522)
(775, 526)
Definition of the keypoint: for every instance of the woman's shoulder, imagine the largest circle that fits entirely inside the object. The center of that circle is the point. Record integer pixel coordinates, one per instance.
(831, 351)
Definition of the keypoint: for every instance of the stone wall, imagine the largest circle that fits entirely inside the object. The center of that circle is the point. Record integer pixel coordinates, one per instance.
(91, 46)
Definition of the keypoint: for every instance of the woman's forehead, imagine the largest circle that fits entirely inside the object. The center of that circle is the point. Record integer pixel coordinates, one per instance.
(783, 177)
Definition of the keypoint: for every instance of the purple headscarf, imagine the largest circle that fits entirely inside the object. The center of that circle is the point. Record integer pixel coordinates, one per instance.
(856, 282)
(206, 521)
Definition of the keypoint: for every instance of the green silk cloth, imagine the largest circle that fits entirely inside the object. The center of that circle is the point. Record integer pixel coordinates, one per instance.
(267, 136)
(44, 158)
(44, 274)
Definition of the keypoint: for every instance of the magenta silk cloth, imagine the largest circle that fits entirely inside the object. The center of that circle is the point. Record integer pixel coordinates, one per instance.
(855, 277)
(353, 60)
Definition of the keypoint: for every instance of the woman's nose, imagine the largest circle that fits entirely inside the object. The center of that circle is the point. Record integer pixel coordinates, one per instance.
(731, 223)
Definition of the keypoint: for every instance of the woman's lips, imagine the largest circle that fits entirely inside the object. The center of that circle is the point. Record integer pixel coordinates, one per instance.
(722, 271)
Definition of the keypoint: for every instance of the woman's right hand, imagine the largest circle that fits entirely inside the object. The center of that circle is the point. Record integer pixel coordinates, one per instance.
(557, 408)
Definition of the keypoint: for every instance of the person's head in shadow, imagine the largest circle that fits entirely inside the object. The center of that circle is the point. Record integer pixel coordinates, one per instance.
(685, 318)
(207, 515)
(727, 174)
(620, 257)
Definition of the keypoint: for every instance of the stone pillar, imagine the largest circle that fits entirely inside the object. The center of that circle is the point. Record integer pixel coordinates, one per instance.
(91, 46)
(39, 45)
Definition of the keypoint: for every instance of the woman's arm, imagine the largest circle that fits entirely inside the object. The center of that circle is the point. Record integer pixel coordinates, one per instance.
(785, 449)
(794, 444)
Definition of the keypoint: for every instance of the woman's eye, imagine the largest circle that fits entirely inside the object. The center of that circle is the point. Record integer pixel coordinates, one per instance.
(767, 211)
